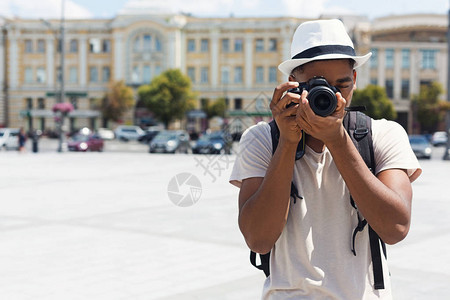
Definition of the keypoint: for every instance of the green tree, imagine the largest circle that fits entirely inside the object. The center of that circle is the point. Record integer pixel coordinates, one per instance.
(168, 96)
(217, 108)
(428, 109)
(375, 100)
(116, 102)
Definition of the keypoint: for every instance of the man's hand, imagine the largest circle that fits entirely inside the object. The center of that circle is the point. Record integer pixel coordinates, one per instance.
(327, 129)
(285, 117)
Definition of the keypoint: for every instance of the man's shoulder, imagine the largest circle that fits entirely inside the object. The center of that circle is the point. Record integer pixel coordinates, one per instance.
(260, 129)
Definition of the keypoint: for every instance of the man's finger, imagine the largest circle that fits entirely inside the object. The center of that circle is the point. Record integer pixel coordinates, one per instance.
(280, 89)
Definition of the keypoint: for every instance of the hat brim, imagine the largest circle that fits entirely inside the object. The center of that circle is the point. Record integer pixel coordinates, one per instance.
(287, 66)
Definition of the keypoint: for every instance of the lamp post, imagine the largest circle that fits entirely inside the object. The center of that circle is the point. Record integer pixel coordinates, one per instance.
(60, 97)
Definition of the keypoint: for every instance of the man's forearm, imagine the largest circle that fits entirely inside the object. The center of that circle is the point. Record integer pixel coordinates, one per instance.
(263, 215)
(383, 201)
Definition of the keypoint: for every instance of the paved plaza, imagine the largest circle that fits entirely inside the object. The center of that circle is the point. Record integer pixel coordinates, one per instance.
(105, 226)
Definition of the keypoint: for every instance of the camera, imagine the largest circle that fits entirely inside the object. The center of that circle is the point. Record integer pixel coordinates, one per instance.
(321, 95)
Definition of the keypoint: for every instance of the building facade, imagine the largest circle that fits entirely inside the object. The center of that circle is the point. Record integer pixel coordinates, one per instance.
(231, 58)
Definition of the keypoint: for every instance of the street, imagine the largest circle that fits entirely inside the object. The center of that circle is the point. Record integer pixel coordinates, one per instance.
(121, 225)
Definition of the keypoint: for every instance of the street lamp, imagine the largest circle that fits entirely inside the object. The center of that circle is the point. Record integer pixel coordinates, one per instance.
(59, 99)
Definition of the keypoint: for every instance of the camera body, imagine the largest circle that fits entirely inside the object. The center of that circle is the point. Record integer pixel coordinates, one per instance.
(321, 95)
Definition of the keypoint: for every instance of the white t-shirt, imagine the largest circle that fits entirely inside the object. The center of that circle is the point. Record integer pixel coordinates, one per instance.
(312, 258)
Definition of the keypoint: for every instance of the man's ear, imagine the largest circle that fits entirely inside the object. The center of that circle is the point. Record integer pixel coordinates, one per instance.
(354, 80)
(291, 78)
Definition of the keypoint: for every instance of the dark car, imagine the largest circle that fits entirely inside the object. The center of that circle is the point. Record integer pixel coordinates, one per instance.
(214, 143)
(83, 142)
(421, 146)
(170, 141)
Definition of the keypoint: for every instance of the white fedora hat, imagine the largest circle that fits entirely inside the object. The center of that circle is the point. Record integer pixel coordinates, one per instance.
(321, 40)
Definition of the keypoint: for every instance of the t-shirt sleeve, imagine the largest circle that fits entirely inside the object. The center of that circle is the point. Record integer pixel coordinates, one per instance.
(255, 153)
(392, 149)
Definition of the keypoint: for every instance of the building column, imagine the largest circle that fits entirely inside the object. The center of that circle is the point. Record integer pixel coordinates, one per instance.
(13, 62)
(381, 68)
(50, 62)
(397, 74)
(442, 68)
(249, 61)
(82, 56)
(118, 67)
(174, 49)
(414, 85)
(214, 59)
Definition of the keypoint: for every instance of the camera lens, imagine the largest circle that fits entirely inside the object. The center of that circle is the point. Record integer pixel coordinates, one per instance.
(322, 101)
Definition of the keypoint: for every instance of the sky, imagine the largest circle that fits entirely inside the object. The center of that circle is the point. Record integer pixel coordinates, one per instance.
(76, 9)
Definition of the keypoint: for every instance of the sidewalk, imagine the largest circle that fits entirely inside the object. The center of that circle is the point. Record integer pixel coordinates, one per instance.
(102, 226)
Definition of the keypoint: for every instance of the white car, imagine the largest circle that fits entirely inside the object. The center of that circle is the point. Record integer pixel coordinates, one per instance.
(9, 138)
(128, 132)
(105, 133)
(439, 138)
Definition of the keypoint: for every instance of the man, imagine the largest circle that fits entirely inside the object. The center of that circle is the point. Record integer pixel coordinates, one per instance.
(310, 240)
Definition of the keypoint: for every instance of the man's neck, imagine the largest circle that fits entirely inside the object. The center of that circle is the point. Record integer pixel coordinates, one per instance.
(317, 145)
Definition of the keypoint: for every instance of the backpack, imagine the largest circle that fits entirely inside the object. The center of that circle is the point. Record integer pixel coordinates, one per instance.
(359, 128)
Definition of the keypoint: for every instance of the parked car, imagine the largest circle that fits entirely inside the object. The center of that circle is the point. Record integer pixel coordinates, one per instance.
(105, 133)
(214, 143)
(421, 146)
(170, 141)
(9, 138)
(83, 142)
(128, 132)
(439, 138)
(148, 136)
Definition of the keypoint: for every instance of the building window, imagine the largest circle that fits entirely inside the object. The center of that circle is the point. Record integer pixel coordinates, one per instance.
(238, 45)
(273, 45)
(106, 74)
(374, 81)
(204, 77)
(259, 74)
(204, 45)
(29, 103)
(225, 75)
(389, 58)
(73, 74)
(157, 70)
(405, 89)
(147, 42)
(135, 76)
(146, 74)
(41, 103)
(94, 45)
(389, 85)
(59, 46)
(225, 45)
(191, 45)
(28, 75)
(406, 54)
(238, 75)
(158, 46)
(238, 103)
(74, 101)
(259, 45)
(40, 75)
(428, 59)
(41, 46)
(106, 46)
(273, 74)
(191, 73)
(374, 59)
(93, 74)
(137, 44)
(58, 74)
(28, 46)
(73, 46)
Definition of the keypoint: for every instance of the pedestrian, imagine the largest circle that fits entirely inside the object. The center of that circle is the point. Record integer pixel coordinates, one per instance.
(22, 139)
(310, 238)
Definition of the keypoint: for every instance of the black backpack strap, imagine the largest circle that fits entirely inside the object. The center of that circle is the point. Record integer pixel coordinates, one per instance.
(359, 128)
(265, 262)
